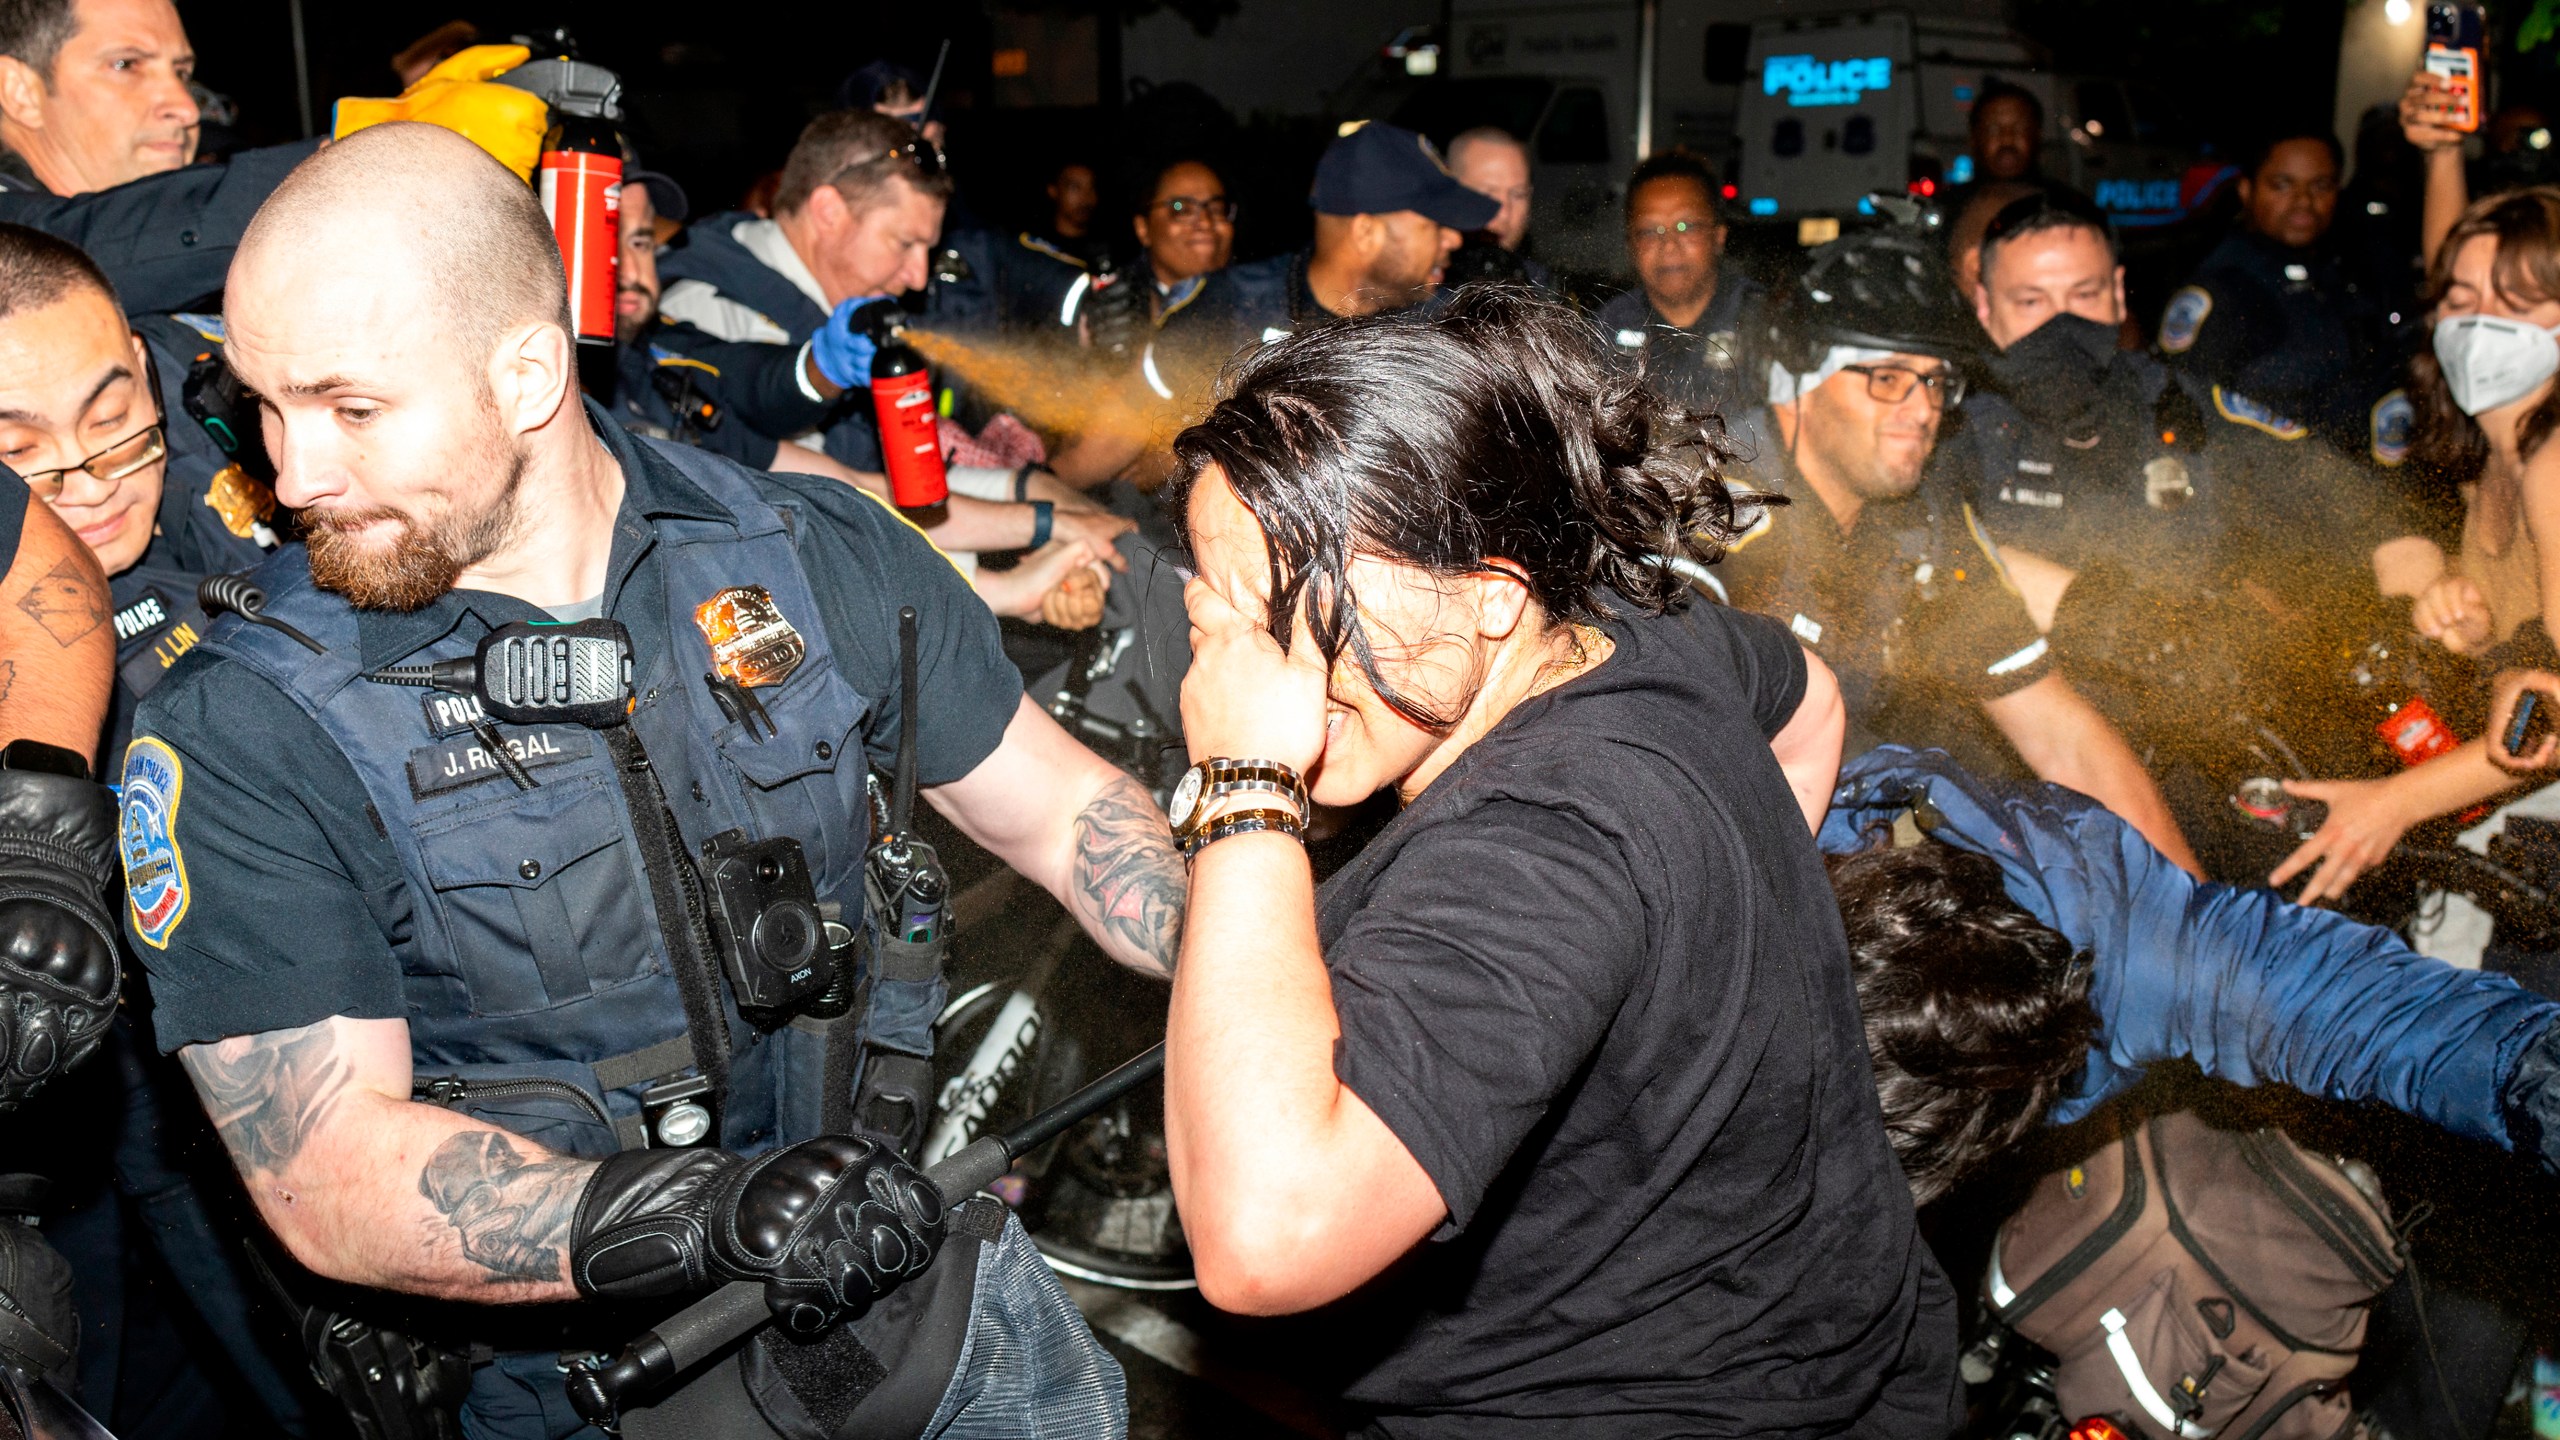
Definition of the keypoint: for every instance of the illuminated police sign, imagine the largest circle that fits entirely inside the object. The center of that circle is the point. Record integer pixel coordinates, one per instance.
(1807, 82)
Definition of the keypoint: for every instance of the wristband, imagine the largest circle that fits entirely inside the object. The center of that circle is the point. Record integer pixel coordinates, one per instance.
(1244, 822)
(1044, 518)
(1022, 480)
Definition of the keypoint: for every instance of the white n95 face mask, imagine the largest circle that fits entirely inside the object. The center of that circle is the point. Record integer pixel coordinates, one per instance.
(2491, 361)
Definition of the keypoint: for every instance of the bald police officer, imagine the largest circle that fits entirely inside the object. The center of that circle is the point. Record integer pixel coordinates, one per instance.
(444, 1004)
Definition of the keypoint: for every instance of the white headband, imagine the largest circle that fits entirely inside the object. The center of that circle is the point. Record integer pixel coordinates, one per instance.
(1786, 386)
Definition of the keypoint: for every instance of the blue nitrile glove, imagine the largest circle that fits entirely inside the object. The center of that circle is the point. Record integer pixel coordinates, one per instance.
(843, 347)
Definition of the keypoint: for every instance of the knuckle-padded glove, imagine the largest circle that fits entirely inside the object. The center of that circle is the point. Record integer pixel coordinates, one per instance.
(59, 975)
(844, 347)
(828, 1226)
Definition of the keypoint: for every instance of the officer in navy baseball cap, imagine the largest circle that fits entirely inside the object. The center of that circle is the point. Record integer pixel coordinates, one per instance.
(1388, 213)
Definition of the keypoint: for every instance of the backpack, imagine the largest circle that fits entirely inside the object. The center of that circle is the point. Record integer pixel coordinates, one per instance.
(2198, 1282)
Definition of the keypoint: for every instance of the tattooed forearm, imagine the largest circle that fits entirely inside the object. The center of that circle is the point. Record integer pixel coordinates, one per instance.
(67, 602)
(512, 1215)
(1128, 877)
(268, 1093)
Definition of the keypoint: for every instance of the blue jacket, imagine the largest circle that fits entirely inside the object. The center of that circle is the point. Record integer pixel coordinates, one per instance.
(2246, 984)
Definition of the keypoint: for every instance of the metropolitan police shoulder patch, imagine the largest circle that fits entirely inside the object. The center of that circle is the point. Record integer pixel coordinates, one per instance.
(2395, 425)
(155, 874)
(2184, 319)
(2241, 410)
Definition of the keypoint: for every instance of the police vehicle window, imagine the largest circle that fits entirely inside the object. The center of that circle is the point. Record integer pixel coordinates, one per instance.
(2158, 118)
(2100, 110)
(1577, 129)
(1858, 137)
(1788, 140)
(1728, 53)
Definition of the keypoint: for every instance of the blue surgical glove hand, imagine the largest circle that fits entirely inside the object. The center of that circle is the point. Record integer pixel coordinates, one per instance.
(843, 347)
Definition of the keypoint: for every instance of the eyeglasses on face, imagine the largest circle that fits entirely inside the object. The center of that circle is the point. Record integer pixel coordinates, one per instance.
(109, 465)
(1658, 234)
(1216, 209)
(1891, 384)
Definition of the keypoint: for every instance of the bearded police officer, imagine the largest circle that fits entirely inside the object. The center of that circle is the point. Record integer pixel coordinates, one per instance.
(447, 989)
(1877, 564)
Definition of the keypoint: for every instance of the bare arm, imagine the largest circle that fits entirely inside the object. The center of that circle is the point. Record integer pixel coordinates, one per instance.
(366, 1186)
(2064, 739)
(2040, 583)
(2368, 817)
(1808, 749)
(1081, 829)
(2447, 192)
(969, 523)
(2405, 567)
(57, 651)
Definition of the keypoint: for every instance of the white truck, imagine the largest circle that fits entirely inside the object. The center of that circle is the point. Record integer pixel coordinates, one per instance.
(1804, 107)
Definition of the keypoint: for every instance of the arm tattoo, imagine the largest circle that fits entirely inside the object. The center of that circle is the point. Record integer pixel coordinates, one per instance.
(1128, 874)
(8, 678)
(66, 603)
(268, 1093)
(513, 1215)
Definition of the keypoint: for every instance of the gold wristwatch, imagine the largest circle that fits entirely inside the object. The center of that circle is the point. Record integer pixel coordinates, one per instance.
(1211, 779)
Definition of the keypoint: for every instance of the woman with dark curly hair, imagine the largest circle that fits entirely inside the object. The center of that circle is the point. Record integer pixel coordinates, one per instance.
(1569, 1055)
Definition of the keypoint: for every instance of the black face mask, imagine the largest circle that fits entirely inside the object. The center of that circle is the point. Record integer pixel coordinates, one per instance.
(2055, 371)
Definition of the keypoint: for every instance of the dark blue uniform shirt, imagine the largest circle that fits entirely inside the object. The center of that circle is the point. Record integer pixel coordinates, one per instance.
(1699, 365)
(165, 240)
(2297, 331)
(295, 895)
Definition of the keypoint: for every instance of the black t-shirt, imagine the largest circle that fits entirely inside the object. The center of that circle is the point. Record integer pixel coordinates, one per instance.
(15, 497)
(293, 894)
(1594, 980)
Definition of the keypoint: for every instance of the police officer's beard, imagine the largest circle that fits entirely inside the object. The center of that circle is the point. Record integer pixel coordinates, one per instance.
(424, 558)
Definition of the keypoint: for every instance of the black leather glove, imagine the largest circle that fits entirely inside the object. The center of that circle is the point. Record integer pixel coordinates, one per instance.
(828, 1225)
(58, 967)
(1115, 315)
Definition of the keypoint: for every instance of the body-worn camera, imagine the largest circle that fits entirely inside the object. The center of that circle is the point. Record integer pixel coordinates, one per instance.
(764, 916)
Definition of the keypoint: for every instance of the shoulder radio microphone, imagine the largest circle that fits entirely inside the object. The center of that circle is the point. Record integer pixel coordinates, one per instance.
(533, 672)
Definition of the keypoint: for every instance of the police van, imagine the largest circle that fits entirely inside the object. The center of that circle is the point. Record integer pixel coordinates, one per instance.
(1803, 114)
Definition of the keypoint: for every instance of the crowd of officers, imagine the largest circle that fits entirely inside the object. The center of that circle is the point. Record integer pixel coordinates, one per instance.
(2016, 518)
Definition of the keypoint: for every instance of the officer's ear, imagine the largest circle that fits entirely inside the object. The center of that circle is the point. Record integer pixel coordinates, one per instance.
(533, 377)
(22, 92)
(827, 211)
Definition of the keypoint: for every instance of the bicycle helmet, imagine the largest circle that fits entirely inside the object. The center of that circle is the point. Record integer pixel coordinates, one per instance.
(1879, 290)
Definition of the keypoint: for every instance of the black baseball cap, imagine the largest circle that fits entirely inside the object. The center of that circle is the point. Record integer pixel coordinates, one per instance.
(1378, 169)
(666, 197)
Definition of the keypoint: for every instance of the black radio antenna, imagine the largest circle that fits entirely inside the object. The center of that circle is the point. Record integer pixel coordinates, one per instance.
(902, 807)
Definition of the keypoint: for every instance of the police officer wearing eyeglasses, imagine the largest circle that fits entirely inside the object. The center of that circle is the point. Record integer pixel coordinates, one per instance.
(1684, 319)
(1879, 563)
(93, 414)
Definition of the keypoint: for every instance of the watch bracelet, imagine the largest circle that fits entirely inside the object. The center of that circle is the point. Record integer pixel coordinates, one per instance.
(1247, 822)
(1292, 784)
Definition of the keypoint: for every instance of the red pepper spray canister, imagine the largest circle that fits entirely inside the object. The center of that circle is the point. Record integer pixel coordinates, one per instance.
(910, 440)
(581, 179)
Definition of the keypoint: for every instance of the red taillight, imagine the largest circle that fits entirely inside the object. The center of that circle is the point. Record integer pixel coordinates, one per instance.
(1731, 191)
(2097, 1427)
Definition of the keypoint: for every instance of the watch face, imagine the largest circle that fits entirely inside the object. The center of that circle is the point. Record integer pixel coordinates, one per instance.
(1186, 797)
